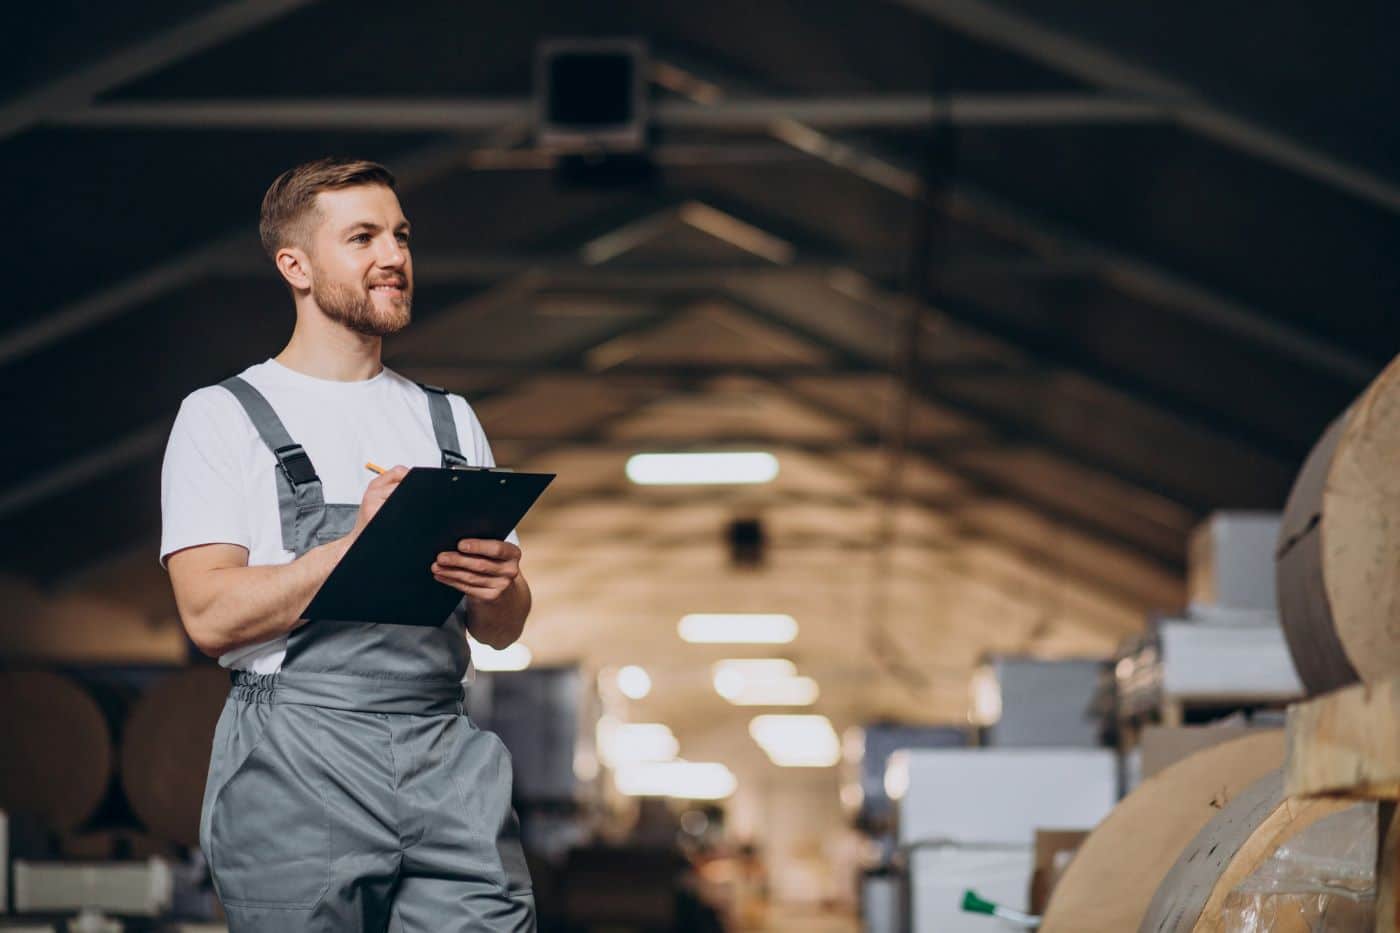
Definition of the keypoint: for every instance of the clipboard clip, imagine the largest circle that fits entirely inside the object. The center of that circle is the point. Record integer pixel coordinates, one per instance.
(455, 461)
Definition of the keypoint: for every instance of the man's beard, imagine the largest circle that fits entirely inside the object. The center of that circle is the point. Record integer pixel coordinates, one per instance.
(354, 308)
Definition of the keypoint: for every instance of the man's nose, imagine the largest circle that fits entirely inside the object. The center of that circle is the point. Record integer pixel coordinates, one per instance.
(390, 254)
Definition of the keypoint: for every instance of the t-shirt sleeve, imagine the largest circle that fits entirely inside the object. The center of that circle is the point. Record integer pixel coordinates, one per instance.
(201, 478)
(475, 447)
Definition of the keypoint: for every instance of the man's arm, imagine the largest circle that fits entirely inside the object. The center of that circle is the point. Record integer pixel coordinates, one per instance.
(499, 623)
(498, 596)
(225, 604)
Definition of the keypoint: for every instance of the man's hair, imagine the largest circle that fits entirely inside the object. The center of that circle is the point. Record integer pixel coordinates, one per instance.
(290, 202)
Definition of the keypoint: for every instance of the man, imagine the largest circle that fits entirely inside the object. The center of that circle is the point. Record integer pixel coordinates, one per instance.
(347, 790)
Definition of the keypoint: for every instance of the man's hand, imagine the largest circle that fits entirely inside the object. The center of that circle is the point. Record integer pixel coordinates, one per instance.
(379, 489)
(481, 568)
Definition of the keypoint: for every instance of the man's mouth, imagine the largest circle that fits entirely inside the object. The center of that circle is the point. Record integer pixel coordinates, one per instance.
(388, 288)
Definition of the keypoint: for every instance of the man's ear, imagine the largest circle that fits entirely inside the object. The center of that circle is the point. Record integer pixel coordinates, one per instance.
(295, 267)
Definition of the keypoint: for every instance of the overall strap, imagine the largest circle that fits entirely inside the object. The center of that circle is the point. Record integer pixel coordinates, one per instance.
(298, 486)
(444, 426)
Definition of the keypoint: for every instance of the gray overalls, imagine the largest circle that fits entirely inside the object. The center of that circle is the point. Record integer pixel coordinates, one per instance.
(349, 791)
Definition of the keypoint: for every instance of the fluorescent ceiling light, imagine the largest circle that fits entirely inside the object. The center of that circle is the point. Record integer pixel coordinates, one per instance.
(684, 780)
(731, 674)
(706, 468)
(514, 658)
(786, 691)
(622, 743)
(756, 668)
(634, 682)
(763, 682)
(738, 628)
(797, 741)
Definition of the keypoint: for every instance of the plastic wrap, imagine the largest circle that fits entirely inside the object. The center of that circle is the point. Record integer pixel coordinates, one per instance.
(1321, 881)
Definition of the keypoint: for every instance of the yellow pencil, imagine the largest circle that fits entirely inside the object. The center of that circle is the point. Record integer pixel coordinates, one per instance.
(370, 465)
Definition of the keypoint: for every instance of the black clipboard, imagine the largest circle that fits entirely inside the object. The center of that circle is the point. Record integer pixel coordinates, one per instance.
(386, 575)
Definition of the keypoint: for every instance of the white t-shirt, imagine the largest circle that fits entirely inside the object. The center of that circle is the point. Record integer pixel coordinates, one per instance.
(218, 483)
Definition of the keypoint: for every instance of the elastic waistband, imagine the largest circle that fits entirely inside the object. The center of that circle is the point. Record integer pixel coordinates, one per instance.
(349, 692)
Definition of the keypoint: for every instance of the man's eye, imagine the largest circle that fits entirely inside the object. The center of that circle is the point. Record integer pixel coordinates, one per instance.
(360, 238)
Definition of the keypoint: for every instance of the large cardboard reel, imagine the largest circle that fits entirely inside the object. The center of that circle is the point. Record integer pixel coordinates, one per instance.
(56, 749)
(1113, 878)
(1236, 841)
(1339, 547)
(165, 751)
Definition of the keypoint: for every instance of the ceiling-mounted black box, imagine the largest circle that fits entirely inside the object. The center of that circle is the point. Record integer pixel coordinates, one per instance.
(591, 95)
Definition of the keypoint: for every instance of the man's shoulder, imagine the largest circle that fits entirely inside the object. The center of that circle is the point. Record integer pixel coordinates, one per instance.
(413, 386)
(209, 400)
(402, 382)
(460, 406)
(464, 414)
(217, 402)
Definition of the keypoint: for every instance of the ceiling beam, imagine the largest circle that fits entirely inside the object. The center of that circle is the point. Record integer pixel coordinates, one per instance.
(80, 87)
(505, 373)
(1089, 62)
(565, 273)
(1056, 249)
(422, 167)
(414, 115)
(413, 170)
(511, 289)
(149, 440)
(134, 447)
(1048, 257)
(566, 268)
(1203, 420)
(1168, 290)
(866, 496)
(597, 441)
(114, 300)
(942, 509)
(1164, 289)
(842, 354)
(595, 354)
(601, 427)
(855, 440)
(934, 389)
(991, 487)
(702, 153)
(643, 539)
(935, 560)
(1038, 560)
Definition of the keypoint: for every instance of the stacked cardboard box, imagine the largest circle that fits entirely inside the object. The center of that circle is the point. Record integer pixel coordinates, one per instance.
(969, 819)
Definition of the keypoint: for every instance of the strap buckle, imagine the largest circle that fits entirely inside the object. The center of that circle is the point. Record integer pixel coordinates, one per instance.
(295, 464)
(453, 460)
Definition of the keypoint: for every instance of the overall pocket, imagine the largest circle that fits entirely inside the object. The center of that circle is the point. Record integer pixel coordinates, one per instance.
(485, 775)
(269, 827)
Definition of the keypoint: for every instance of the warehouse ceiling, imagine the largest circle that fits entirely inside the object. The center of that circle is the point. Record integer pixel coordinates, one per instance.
(1016, 295)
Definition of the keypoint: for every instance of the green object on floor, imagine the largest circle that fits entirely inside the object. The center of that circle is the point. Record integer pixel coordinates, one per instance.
(973, 904)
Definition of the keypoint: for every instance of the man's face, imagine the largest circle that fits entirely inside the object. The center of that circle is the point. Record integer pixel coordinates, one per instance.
(361, 266)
